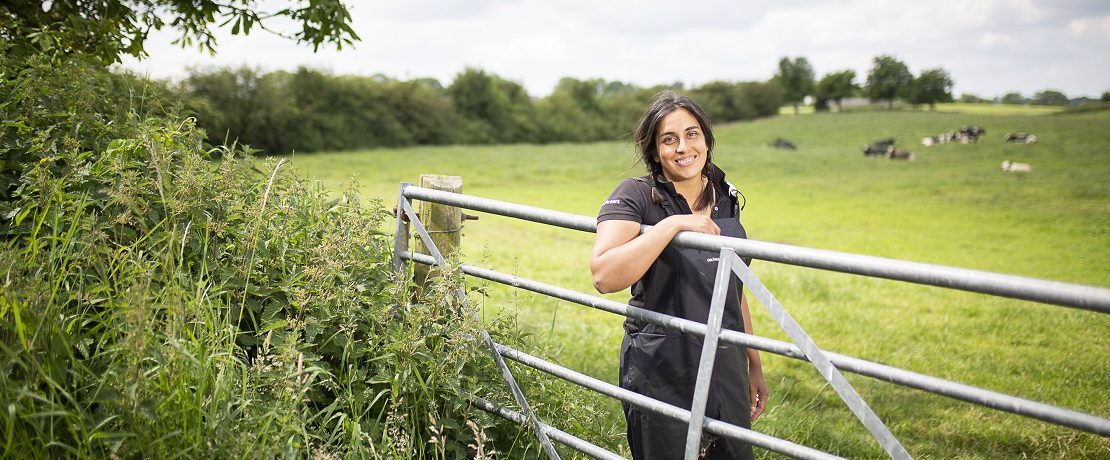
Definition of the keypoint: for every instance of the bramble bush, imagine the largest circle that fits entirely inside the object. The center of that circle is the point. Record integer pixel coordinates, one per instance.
(158, 303)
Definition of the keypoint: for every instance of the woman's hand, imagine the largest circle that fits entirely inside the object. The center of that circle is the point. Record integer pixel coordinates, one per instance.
(690, 223)
(757, 386)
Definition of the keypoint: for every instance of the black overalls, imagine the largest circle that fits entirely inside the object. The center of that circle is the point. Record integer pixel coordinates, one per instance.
(663, 364)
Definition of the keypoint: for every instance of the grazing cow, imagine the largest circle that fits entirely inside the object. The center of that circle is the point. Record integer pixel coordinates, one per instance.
(881, 147)
(1013, 166)
(1020, 138)
(899, 154)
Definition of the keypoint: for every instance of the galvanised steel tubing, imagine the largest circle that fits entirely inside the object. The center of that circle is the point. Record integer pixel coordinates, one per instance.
(506, 374)
(815, 356)
(1052, 292)
(716, 427)
(561, 436)
(708, 355)
(948, 388)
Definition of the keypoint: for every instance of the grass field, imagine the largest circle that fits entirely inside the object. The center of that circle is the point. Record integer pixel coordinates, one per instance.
(951, 206)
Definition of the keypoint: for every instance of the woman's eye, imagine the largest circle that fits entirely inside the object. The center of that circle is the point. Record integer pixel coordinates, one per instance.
(691, 134)
(669, 140)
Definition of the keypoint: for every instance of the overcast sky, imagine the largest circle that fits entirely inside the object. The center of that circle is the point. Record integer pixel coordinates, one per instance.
(989, 47)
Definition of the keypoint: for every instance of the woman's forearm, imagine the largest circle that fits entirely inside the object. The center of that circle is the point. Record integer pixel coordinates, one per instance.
(620, 266)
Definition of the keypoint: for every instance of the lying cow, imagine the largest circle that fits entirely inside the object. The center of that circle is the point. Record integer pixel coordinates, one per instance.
(881, 147)
(1020, 138)
(968, 134)
(1013, 166)
(780, 143)
(899, 154)
(963, 135)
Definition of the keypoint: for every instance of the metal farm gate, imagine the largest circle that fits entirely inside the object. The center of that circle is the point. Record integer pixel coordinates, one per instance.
(828, 364)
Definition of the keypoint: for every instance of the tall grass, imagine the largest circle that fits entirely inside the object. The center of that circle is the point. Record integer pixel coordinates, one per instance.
(950, 206)
(156, 303)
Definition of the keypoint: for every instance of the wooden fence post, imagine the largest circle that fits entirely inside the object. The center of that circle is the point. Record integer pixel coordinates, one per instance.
(444, 223)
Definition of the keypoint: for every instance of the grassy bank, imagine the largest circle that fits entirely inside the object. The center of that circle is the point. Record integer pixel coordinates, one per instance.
(950, 206)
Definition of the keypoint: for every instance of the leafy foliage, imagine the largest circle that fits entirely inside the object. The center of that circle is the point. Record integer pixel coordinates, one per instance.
(1050, 97)
(109, 29)
(888, 78)
(796, 78)
(52, 113)
(158, 304)
(836, 86)
(931, 87)
(309, 110)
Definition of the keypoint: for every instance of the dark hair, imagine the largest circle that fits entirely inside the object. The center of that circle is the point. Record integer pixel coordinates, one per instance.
(661, 105)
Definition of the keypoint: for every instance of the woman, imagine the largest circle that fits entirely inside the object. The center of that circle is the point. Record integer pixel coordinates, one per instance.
(683, 191)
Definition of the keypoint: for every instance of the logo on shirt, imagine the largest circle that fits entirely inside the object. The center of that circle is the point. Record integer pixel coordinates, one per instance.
(713, 259)
(609, 202)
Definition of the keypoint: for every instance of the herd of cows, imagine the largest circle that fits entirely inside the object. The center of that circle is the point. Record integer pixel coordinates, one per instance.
(962, 135)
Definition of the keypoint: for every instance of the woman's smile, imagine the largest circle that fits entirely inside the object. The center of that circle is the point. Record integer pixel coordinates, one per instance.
(681, 146)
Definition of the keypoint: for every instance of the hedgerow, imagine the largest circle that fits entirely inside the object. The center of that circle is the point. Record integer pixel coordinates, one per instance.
(164, 300)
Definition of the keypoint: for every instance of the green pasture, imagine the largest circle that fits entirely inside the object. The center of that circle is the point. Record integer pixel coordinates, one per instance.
(998, 109)
(952, 206)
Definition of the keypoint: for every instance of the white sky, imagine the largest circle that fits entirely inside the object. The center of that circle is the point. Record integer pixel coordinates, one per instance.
(989, 47)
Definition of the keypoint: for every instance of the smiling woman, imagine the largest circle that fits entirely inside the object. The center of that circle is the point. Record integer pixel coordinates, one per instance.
(683, 191)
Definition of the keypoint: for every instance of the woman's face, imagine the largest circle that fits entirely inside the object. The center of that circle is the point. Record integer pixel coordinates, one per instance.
(680, 144)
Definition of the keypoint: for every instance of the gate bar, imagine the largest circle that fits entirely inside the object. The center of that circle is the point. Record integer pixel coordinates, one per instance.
(518, 394)
(708, 353)
(567, 439)
(816, 357)
(1051, 292)
(959, 391)
(716, 427)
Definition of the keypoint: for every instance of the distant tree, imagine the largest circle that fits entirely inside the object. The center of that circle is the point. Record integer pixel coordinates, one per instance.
(228, 100)
(475, 97)
(718, 98)
(1013, 98)
(888, 78)
(932, 86)
(837, 86)
(494, 109)
(969, 98)
(109, 29)
(796, 79)
(1105, 96)
(584, 93)
(1050, 97)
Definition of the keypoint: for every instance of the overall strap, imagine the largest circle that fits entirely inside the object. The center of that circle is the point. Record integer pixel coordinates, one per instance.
(739, 201)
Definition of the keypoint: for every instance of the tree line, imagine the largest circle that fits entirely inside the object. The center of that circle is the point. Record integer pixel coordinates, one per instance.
(310, 110)
(887, 80)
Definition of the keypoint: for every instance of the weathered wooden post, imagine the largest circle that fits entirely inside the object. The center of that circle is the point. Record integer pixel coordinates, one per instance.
(444, 223)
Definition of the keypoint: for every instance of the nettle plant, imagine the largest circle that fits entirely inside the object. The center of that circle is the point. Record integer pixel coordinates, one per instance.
(163, 298)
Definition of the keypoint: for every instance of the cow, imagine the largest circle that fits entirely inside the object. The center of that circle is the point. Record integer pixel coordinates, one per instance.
(881, 147)
(969, 134)
(963, 135)
(1020, 138)
(899, 154)
(1013, 166)
(780, 143)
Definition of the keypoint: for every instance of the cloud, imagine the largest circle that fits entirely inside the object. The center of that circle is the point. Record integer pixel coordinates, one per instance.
(988, 46)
